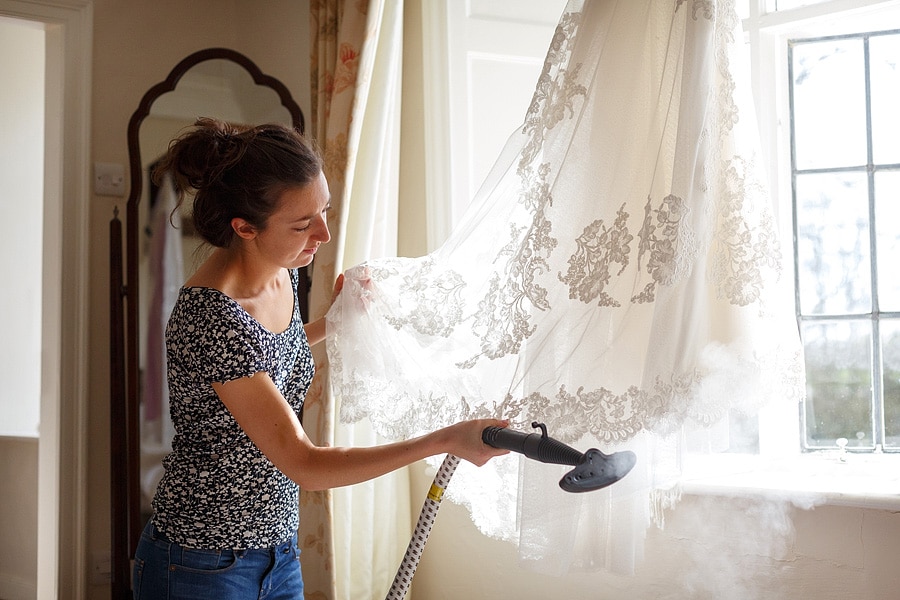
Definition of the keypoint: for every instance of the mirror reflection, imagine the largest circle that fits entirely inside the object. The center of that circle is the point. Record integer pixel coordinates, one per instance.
(168, 250)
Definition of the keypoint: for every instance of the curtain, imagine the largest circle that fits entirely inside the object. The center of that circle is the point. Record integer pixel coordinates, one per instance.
(618, 277)
(349, 535)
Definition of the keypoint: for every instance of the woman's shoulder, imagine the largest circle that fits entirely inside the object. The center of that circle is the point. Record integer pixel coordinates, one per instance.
(200, 308)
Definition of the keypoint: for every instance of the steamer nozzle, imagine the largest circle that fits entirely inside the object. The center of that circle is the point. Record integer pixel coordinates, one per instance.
(593, 469)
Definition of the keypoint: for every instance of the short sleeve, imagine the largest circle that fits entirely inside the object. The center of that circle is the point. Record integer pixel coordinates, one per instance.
(216, 340)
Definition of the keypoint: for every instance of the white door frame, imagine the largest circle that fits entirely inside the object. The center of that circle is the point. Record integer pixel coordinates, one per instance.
(62, 480)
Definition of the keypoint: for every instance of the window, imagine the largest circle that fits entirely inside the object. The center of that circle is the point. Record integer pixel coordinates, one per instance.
(829, 113)
(846, 188)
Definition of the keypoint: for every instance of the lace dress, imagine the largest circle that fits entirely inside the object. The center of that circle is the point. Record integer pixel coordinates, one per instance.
(617, 277)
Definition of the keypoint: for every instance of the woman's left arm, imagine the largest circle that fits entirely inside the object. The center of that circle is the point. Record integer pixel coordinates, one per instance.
(315, 330)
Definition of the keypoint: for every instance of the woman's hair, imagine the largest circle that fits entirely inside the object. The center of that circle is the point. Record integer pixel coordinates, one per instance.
(237, 171)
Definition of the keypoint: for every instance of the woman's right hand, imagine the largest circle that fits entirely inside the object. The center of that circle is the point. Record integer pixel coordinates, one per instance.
(464, 440)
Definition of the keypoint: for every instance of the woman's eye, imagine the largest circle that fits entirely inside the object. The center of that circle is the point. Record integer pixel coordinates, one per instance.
(324, 214)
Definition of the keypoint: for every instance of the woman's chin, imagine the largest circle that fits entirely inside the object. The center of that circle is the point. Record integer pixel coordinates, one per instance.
(304, 260)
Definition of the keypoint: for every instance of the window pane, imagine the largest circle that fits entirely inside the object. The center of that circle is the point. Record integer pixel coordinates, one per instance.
(838, 382)
(829, 104)
(890, 353)
(884, 55)
(833, 243)
(887, 231)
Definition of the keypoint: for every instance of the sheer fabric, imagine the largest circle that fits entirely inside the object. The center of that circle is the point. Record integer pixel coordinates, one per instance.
(617, 277)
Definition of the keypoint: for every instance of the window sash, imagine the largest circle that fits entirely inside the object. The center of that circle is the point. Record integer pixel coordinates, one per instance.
(772, 39)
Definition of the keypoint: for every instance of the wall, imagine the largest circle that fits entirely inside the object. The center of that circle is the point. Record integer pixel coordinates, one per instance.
(136, 44)
(18, 517)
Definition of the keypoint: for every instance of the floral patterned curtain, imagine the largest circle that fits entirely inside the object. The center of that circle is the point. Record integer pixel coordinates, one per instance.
(338, 30)
(348, 534)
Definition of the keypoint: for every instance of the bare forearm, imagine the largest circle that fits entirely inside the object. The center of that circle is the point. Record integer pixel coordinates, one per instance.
(326, 468)
(315, 331)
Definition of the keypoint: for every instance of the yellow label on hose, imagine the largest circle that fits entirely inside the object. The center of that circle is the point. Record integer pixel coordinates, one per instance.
(436, 492)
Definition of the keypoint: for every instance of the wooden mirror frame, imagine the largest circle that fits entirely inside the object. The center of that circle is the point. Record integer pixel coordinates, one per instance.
(126, 525)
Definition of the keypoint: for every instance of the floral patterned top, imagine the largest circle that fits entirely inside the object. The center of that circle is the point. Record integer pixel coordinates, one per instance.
(219, 491)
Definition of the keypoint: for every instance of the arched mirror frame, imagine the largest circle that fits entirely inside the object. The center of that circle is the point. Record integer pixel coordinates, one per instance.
(126, 522)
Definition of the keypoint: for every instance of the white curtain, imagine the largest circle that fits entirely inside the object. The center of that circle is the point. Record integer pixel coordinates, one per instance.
(378, 526)
(617, 277)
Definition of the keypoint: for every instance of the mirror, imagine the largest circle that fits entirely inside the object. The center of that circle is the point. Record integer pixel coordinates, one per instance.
(159, 255)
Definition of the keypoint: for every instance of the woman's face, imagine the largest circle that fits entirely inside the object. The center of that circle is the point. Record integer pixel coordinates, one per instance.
(298, 226)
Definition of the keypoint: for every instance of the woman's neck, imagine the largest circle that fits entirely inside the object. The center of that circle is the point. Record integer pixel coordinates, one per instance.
(237, 275)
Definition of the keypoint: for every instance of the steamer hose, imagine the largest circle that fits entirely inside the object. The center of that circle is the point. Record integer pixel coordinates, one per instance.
(404, 576)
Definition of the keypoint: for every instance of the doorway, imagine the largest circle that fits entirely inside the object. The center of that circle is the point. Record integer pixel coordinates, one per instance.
(22, 58)
(45, 135)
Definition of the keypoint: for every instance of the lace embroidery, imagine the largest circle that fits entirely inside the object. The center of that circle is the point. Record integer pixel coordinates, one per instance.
(598, 247)
(429, 300)
(743, 252)
(503, 320)
(556, 89)
(705, 6)
(669, 243)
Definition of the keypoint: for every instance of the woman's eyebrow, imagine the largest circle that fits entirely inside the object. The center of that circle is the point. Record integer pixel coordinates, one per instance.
(312, 215)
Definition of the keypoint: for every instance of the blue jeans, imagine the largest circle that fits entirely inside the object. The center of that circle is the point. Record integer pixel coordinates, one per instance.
(164, 570)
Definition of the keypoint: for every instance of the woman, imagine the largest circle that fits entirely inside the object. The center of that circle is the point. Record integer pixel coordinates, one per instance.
(225, 514)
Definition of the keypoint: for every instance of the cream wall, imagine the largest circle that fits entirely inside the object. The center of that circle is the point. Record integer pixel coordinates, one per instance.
(783, 552)
(18, 517)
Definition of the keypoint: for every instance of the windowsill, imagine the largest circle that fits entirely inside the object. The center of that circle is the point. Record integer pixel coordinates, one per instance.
(860, 480)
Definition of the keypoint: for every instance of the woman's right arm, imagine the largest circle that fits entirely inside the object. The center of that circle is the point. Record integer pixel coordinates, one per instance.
(268, 420)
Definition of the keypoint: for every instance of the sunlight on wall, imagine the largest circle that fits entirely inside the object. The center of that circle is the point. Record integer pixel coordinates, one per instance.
(21, 202)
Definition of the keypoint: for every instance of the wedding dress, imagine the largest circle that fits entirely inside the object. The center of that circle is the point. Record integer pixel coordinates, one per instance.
(617, 277)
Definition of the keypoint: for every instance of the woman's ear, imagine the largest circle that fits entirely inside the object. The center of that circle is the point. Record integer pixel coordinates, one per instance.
(243, 229)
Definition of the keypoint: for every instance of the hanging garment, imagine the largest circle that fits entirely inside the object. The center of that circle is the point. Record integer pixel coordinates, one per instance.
(166, 275)
(617, 277)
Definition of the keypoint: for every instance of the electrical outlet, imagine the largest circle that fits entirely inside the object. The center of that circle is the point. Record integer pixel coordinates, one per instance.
(109, 179)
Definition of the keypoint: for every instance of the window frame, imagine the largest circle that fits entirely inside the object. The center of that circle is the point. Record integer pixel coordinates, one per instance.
(875, 314)
(768, 36)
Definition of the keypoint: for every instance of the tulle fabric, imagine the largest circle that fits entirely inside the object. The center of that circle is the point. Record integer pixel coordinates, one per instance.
(617, 277)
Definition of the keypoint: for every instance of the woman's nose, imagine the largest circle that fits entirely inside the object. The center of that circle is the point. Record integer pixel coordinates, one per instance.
(322, 231)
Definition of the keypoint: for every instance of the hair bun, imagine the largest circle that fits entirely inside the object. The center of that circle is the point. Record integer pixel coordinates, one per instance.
(226, 146)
